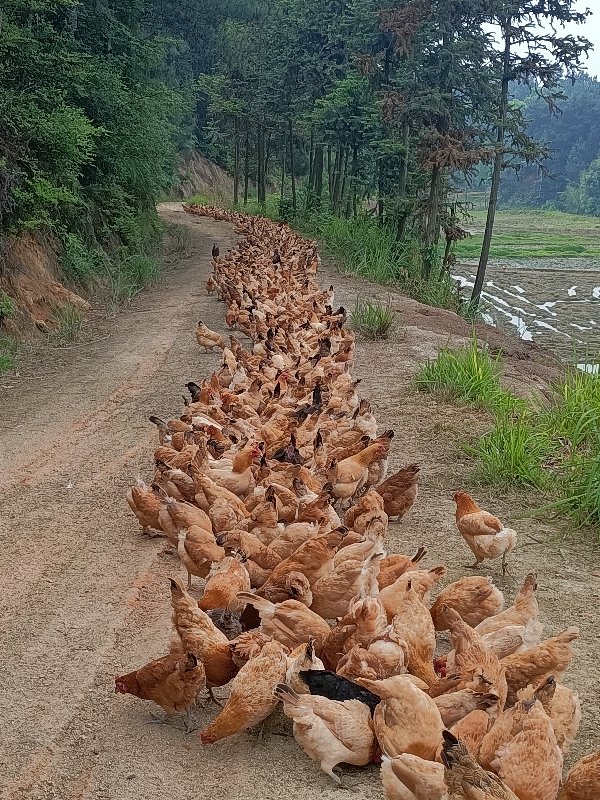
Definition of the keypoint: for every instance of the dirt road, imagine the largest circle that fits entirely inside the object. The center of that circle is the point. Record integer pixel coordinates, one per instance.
(84, 596)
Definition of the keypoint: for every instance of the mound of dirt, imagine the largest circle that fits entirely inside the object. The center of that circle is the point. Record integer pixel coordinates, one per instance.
(29, 273)
(197, 174)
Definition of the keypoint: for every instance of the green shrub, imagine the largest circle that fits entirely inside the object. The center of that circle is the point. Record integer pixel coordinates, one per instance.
(69, 322)
(467, 374)
(7, 306)
(78, 262)
(372, 319)
(8, 350)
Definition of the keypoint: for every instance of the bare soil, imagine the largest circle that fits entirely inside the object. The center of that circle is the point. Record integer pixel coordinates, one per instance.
(84, 596)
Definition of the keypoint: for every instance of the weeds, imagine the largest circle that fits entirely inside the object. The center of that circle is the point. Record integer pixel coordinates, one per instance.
(69, 322)
(130, 275)
(7, 306)
(372, 319)
(8, 350)
(468, 374)
(551, 445)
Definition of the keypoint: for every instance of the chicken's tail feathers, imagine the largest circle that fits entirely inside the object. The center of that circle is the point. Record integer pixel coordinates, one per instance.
(259, 603)
(286, 694)
(450, 749)
(419, 555)
(160, 423)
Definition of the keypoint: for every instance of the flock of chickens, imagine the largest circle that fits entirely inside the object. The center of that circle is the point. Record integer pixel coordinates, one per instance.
(272, 487)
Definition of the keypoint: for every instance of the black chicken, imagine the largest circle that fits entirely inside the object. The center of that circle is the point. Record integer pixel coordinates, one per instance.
(327, 684)
(215, 251)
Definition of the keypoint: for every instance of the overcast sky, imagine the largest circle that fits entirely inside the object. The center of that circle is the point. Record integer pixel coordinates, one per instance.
(591, 30)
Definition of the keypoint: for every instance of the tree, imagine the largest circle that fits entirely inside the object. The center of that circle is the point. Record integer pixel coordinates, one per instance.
(531, 55)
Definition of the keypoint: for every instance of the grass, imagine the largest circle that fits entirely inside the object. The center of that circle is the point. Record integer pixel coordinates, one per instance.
(131, 274)
(547, 444)
(8, 351)
(531, 245)
(69, 322)
(469, 374)
(372, 319)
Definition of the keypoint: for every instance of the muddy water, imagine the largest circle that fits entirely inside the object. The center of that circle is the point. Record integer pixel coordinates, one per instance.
(553, 302)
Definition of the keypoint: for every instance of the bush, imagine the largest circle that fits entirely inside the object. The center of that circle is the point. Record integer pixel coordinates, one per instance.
(7, 306)
(8, 350)
(372, 319)
(79, 262)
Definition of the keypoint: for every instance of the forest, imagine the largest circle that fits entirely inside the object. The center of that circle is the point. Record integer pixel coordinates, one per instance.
(340, 107)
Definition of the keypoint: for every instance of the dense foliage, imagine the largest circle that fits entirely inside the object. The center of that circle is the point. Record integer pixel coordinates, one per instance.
(567, 182)
(344, 107)
(89, 128)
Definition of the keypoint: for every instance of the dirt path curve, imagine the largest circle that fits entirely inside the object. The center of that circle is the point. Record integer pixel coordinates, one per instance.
(83, 596)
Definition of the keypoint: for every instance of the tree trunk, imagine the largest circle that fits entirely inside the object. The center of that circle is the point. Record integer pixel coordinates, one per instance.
(283, 155)
(330, 173)
(403, 186)
(236, 162)
(261, 165)
(497, 170)
(318, 175)
(432, 224)
(246, 165)
(311, 161)
(338, 180)
(292, 166)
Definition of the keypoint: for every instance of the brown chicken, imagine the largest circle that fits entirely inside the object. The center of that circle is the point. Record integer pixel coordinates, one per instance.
(472, 729)
(335, 643)
(146, 506)
(408, 777)
(208, 339)
(407, 720)
(313, 559)
(456, 705)
(483, 532)
(465, 779)
(393, 566)
(172, 682)
(413, 623)
(227, 578)
(399, 492)
(422, 581)
(197, 550)
(536, 665)
(333, 592)
(349, 475)
(251, 698)
(329, 731)
(524, 609)
(199, 636)
(290, 622)
(583, 781)
(302, 658)
(238, 478)
(475, 598)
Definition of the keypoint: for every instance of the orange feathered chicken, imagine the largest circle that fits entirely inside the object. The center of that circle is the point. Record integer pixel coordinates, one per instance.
(172, 682)
(483, 532)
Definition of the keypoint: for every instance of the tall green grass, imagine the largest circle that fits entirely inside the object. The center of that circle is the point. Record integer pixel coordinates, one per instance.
(372, 319)
(550, 444)
(8, 350)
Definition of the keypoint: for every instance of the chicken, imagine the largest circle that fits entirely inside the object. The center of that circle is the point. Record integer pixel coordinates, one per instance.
(391, 651)
(247, 645)
(524, 609)
(226, 580)
(172, 682)
(313, 559)
(536, 665)
(393, 566)
(399, 492)
(237, 479)
(227, 621)
(407, 720)
(358, 515)
(421, 581)
(456, 705)
(197, 549)
(563, 706)
(531, 763)
(208, 339)
(583, 781)
(329, 731)
(336, 687)
(349, 475)
(361, 663)
(483, 532)
(465, 779)
(199, 636)
(413, 623)
(335, 643)
(223, 516)
(290, 622)
(408, 777)
(333, 592)
(251, 698)
(478, 667)
(475, 598)
(146, 506)
(472, 729)
(368, 614)
(303, 658)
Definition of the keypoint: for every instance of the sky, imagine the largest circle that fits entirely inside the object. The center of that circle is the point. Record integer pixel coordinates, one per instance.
(591, 30)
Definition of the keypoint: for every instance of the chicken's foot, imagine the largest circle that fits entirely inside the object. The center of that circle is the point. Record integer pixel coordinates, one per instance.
(159, 719)
(342, 781)
(211, 699)
(190, 725)
(476, 565)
